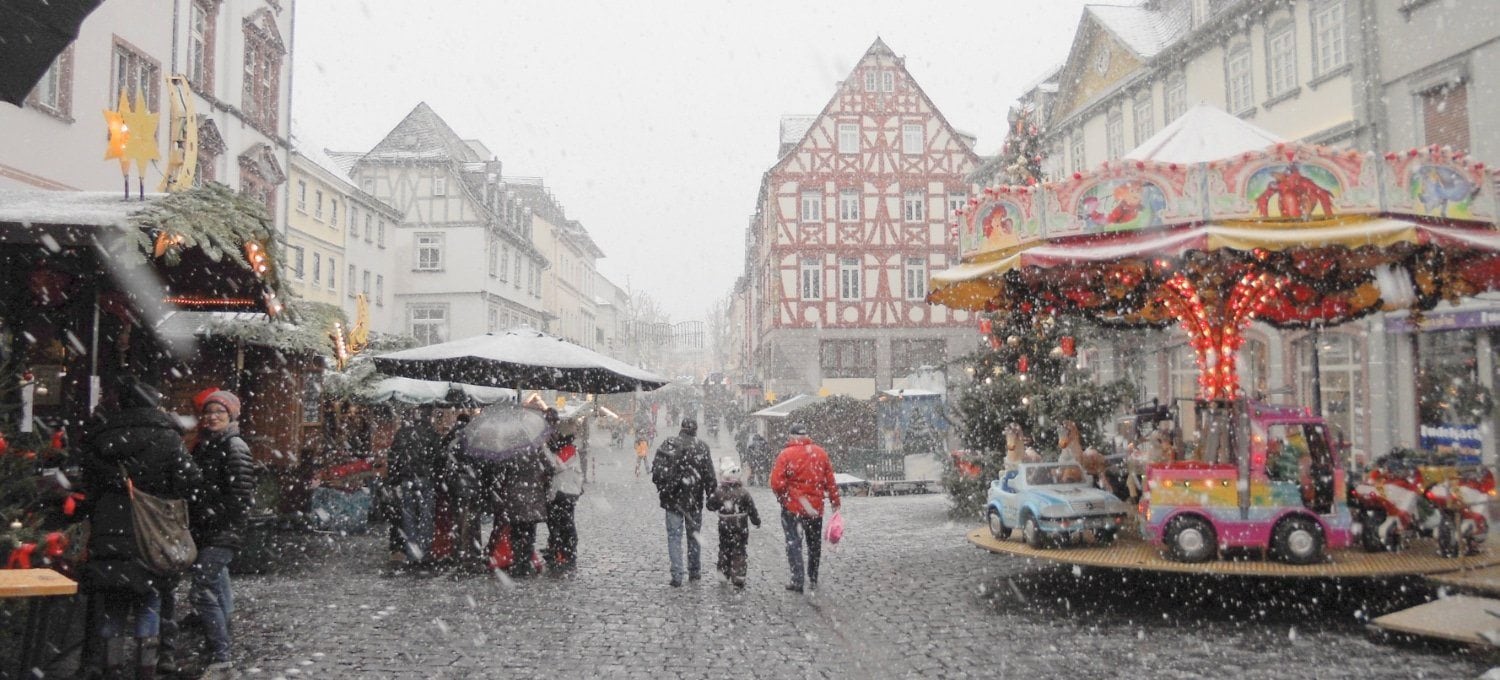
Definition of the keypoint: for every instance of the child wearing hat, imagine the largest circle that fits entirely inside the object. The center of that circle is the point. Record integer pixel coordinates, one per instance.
(736, 513)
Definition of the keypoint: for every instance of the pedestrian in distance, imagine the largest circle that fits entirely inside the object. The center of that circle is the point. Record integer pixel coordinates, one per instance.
(567, 486)
(642, 448)
(758, 457)
(138, 440)
(800, 479)
(218, 521)
(455, 500)
(736, 509)
(683, 473)
(410, 470)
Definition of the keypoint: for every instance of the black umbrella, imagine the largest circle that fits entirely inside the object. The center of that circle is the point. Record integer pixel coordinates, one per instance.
(32, 34)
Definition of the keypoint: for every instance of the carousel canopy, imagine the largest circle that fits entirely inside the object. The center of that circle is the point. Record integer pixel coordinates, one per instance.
(1202, 134)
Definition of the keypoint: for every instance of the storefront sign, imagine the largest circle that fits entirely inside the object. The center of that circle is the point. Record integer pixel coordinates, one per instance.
(1462, 440)
(1445, 321)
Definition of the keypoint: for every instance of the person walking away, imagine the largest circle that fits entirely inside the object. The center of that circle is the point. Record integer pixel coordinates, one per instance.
(410, 471)
(683, 473)
(218, 521)
(759, 459)
(523, 484)
(141, 441)
(736, 513)
(800, 479)
(567, 486)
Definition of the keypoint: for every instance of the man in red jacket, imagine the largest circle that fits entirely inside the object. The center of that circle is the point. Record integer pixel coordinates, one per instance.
(801, 477)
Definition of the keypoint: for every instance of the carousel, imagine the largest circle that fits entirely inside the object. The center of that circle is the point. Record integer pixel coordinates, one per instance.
(1209, 226)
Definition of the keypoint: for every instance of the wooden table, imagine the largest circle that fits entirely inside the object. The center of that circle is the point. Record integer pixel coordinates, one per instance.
(35, 584)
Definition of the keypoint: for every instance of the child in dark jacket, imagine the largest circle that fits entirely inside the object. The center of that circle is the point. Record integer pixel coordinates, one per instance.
(736, 513)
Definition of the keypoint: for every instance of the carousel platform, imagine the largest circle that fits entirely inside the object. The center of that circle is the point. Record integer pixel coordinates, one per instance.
(1130, 552)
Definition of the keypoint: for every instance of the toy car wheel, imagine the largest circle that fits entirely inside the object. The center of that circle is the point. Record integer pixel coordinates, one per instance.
(1297, 540)
(997, 525)
(1191, 539)
(1032, 532)
(1105, 536)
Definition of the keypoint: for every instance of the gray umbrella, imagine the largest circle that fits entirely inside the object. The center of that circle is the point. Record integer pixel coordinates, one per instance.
(520, 358)
(503, 431)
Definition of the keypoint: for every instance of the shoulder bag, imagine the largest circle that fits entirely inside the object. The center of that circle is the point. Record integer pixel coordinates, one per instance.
(161, 531)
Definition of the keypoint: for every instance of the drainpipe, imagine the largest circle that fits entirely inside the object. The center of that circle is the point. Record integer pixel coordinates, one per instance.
(286, 153)
(176, 10)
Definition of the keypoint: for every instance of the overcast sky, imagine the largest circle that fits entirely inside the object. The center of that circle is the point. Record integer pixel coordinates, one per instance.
(652, 121)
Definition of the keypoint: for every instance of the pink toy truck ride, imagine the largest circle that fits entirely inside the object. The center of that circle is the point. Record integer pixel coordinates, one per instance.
(1266, 479)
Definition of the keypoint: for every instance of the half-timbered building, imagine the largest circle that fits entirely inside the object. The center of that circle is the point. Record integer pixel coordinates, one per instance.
(850, 221)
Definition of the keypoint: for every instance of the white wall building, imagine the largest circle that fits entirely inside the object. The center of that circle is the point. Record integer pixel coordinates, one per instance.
(464, 263)
(568, 285)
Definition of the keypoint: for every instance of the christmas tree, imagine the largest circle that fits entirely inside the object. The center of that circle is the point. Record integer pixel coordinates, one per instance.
(1019, 162)
(1029, 377)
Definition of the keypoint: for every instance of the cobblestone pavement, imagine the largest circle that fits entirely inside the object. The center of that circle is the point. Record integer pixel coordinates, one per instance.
(903, 596)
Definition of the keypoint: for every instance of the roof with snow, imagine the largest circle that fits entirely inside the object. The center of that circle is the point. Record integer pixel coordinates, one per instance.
(1203, 133)
(345, 159)
(785, 408)
(82, 208)
(315, 154)
(422, 135)
(1144, 30)
(793, 128)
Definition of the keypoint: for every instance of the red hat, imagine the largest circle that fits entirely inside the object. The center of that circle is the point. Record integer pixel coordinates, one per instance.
(223, 398)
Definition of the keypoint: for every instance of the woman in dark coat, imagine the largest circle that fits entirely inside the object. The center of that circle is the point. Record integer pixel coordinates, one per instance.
(145, 442)
(523, 485)
(219, 519)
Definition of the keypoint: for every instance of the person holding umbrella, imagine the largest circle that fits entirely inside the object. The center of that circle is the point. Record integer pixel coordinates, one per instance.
(511, 442)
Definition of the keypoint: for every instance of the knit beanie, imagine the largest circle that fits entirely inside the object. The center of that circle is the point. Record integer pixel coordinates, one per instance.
(226, 399)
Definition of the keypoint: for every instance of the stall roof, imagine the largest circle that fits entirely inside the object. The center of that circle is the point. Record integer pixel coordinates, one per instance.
(411, 391)
(785, 408)
(912, 393)
(1201, 134)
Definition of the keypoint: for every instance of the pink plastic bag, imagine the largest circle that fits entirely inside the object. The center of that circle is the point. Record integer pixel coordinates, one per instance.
(834, 531)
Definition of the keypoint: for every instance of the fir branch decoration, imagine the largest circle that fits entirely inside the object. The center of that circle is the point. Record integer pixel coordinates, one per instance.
(213, 218)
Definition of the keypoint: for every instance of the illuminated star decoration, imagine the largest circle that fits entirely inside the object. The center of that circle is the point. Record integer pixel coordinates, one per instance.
(119, 133)
(140, 146)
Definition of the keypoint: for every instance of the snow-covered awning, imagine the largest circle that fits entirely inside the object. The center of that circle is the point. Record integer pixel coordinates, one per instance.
(785, 408)
(410, 391)
(1201, 134)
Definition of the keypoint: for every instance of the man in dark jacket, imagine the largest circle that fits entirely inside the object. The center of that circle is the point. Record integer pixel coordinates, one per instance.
(218, 520)
(141, 441)
(412, 462)
(683, 473)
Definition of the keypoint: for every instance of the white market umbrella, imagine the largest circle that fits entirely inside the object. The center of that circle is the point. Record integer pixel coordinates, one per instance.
(413, 391)
(521, 358)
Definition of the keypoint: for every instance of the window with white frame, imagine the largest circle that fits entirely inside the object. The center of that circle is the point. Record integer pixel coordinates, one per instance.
(369, 186)
(54, 92)
(201, 30)
(516, 280)
(812, 278)
(318, 205)
(353, 220)
(494, 260)
(849, 278)
(1114, 133)
(365, 281)
(1328, 36)
(262, 79)
(870, 81)
(350, 284)
(1075, 152)
(429, 323)
(916, 278)
(1176, 98)
(333, 273)
(848, 138)
(302, 195)
(380, 233)
(1145, 117)
(379, 290)
(913, 139)
(296, 253)
(913, 207)
(440, 186)
(333, 213)
(956, 202)
(849, 205)
(429, 252)
(887, 81)
(137, 75)
(1281, 48)
(494, 320)
(812, 206)
(369, 228)
(504, 262)
(317, 272)
(1239, 83)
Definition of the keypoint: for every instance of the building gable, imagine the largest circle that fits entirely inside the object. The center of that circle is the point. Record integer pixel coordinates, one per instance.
(1098, 61)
